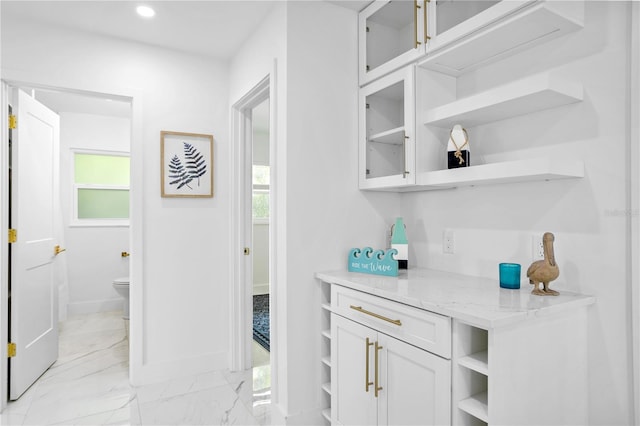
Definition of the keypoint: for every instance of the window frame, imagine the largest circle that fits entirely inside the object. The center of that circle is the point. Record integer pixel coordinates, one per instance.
(77, 222)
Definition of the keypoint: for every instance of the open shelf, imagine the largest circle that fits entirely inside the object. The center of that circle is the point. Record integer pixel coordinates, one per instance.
(535, 25)
(476, 406)
(531, 94)
(327, 307)
(327, 414)
(391, 137)
(326, 360)
(327, 334)
(477, 362)
(538, 169)
(327, 388)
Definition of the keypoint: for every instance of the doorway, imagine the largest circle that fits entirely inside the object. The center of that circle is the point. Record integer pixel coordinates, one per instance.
(254, 235)
(87, 121)
(260, 201)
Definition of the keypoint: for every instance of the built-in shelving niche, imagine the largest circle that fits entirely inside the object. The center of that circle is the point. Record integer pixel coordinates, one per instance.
(525, 96)
(471, 375)
(325, 355)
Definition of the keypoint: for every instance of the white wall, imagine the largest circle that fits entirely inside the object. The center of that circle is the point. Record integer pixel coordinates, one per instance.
(93, 253)
(181, 305)
(320, 212)
(588, 216)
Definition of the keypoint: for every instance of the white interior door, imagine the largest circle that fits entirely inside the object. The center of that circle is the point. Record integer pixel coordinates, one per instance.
(34, 193)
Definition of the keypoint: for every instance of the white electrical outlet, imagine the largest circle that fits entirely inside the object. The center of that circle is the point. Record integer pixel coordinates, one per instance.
(448, 241)
(537, 248)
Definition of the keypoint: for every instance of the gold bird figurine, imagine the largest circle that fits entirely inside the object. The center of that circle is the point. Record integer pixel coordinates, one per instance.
(546, 270)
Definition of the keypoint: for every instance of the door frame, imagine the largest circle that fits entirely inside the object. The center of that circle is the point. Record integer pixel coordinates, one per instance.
(134, 97)
(241, 290)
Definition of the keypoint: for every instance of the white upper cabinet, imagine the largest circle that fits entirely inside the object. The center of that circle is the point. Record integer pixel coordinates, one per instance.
(391, 34)
(387, 131)
(453, 36)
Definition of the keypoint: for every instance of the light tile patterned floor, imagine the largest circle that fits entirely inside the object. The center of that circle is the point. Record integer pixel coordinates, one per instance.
(89, 385)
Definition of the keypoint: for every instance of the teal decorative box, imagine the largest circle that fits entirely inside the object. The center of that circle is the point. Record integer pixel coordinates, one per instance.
(377, 263)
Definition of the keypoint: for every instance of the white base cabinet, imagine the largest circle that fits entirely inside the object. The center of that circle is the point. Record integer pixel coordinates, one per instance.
(435, 348)
(380, 380)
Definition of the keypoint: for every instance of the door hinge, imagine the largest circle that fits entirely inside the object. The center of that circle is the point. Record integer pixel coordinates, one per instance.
(11, 350)
(13, 236)
(13, 122)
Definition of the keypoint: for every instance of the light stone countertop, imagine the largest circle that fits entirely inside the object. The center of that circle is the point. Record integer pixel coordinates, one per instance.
(477, 301)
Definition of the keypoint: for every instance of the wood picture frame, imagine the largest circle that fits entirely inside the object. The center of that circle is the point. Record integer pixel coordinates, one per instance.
(186, 165)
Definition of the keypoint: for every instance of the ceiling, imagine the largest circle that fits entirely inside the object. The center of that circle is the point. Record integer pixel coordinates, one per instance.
(213, 28)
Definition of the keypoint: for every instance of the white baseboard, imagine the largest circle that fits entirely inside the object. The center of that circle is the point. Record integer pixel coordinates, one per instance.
(260, 289)
(94, 306)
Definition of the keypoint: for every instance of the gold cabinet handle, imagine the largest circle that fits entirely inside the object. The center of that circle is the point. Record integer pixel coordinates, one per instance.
(415, 23)
(125, 254)
(57, 250)
(376, 388)
(405, 172)
(373, 314)
(426, 21)
(366, 368)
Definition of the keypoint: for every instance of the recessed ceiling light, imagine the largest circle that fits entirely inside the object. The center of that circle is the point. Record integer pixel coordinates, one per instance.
(145, 11)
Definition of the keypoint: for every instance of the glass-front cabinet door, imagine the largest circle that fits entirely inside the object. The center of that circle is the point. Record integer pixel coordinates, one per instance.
(387, 131)
(391, 34)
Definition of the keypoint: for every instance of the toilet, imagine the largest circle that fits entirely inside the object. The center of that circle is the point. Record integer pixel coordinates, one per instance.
(122, 287)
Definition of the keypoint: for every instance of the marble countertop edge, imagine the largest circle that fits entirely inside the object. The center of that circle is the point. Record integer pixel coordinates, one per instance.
(476, 301)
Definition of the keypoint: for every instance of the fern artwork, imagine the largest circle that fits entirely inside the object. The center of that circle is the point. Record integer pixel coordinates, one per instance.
(187, 164)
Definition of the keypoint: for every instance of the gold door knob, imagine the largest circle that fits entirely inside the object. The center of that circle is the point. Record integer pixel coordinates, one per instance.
(57, 250)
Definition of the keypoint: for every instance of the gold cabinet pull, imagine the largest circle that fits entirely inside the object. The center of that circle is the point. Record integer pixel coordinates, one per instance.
(57, 250)
(415, 23)
(125, 254)
(366, 368)
(373, 314)
(376, 388)
(426, 22)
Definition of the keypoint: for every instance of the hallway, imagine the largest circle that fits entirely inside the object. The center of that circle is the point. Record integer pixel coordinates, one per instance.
(89, 385)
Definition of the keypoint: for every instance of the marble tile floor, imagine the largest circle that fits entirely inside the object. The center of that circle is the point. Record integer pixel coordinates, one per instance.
(89, 385)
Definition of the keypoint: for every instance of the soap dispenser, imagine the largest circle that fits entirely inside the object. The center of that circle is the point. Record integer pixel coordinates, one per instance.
(400, 243)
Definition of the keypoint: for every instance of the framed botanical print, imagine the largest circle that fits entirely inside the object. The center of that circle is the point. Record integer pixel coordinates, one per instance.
(186, 164)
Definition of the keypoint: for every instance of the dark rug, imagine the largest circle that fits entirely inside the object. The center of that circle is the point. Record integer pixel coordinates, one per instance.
(261, 320)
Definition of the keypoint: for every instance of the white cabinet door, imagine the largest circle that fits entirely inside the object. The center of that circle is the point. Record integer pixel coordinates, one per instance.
(352, 394)
(391, 35)
(413, 385)
(387, 131)
(416, 385)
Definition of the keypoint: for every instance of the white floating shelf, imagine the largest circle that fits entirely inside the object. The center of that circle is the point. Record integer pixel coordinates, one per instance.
(504, 172)
(327, 414)
(327, 334)
(477, 362)
(531, 94)
(537, 24)
(327, 361)
(390, 137)
(326, 306)
(476, 406)
(327, 387)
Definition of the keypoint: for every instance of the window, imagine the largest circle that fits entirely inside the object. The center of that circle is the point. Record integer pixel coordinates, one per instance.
(101, 189)
(260, 202)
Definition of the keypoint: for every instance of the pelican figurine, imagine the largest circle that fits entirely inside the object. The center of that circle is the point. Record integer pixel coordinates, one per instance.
(544, 271)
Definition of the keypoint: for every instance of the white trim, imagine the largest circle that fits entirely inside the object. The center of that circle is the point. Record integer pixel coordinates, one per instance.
(241, 281)
(634, 202)
(4, 252)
